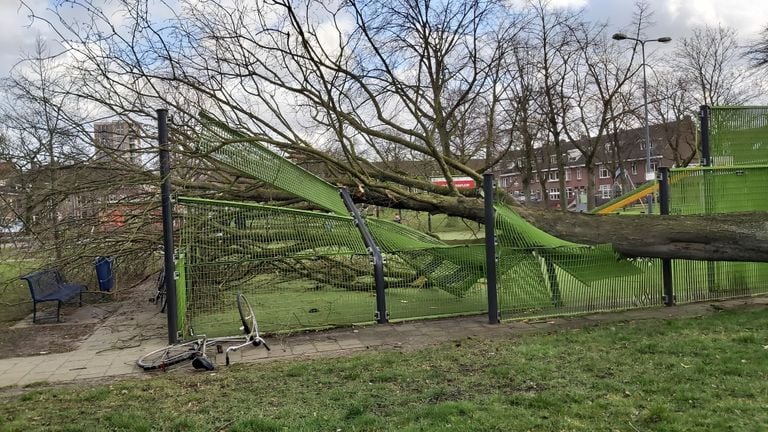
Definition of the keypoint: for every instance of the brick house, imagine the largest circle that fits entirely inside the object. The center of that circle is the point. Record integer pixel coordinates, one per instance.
(620, 164)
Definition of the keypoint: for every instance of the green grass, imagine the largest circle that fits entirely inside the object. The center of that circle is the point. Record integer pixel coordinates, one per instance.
(702, 374)
(523, 291)
(15, 302)
(295, 305)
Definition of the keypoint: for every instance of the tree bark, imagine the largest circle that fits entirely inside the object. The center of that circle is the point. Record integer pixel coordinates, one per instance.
(730, 237)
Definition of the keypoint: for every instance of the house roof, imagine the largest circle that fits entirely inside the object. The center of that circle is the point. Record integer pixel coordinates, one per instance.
(627, 145)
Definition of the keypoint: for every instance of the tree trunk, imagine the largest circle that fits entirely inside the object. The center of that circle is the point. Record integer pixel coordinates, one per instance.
(561, 182)
(590, 167)
(731, 237)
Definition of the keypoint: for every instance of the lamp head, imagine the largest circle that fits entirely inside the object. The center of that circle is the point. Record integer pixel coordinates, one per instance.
(664, 39)
(619, 36)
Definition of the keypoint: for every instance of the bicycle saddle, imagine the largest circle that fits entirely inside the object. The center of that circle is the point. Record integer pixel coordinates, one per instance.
(202, 363)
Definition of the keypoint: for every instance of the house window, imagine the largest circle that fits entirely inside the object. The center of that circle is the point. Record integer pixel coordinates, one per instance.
(570, 192)
(573, 155)
(554, 194)
(578, 173)
(604, 172)
(567, 175)
(605, 191)
(552, 159)
(634, 168)
(553, 176)
(654, 166)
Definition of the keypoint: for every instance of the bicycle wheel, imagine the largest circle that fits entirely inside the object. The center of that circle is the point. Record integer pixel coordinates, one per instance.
(169, 356)
(247, 316)
(160, 298)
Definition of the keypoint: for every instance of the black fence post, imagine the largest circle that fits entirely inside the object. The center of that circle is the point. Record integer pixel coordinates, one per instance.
(165, 195)
(666, 263)
(490, 248)
(704, 138)
(706, 161)
(382, 317)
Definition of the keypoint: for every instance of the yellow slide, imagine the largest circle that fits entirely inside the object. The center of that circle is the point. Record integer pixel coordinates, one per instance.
(628, 198)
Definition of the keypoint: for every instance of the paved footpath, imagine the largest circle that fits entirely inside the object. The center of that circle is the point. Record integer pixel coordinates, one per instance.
(99, 356)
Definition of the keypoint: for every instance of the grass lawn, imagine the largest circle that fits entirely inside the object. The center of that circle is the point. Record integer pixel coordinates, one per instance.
(15, 302)
(694, 374)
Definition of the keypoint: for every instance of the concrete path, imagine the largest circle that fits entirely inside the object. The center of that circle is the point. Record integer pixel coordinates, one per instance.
(113, 349)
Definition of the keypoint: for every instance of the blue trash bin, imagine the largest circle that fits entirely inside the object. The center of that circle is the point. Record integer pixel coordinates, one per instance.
(104, 274)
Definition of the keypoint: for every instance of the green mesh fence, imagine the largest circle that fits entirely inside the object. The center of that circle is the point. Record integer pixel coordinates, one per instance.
(425, 276)
(308, 269)
(181, 291)
(698, 280)
(237, 151)
(738, 141)
(716, 190)
(738, 136)
(540, 275)
(537, 286)
(436, 282)
(298, 269)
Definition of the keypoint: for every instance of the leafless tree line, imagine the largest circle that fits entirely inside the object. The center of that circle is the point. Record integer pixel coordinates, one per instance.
(350, 88)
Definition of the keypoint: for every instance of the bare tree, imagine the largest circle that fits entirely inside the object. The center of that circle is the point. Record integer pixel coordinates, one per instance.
(37, 114)
(599, 73)
(526, 120)
(757, 51)
(711, 59)
(350, 75)
(672, 107)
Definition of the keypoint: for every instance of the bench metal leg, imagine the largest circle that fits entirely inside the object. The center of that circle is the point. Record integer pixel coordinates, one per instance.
(81, 299)
(34, 312)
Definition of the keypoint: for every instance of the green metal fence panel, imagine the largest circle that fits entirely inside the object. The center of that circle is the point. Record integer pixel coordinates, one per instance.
(536, 285)
(181, 291)
(716, 190)
(700, 280)
(433, 282)
(738, 136)
(308, 269)
(248, 155)
(298, 269)
(541, 275)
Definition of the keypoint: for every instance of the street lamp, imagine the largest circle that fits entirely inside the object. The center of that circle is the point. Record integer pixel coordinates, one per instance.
(649, 175)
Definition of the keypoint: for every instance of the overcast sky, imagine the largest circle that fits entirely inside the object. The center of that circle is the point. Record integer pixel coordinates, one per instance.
(672, 18)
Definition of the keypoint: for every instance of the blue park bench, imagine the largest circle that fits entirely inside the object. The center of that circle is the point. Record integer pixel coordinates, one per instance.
(48, 285)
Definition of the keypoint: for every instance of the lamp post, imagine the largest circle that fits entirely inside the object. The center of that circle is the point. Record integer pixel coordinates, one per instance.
(649, 174)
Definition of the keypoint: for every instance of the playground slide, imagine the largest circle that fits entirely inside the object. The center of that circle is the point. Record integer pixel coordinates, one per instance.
(628, 198)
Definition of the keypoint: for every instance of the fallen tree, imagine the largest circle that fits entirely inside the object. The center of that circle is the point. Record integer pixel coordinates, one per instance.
(339, 86)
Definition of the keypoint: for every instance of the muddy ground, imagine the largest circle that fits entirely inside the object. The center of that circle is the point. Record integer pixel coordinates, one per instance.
(123, 305)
